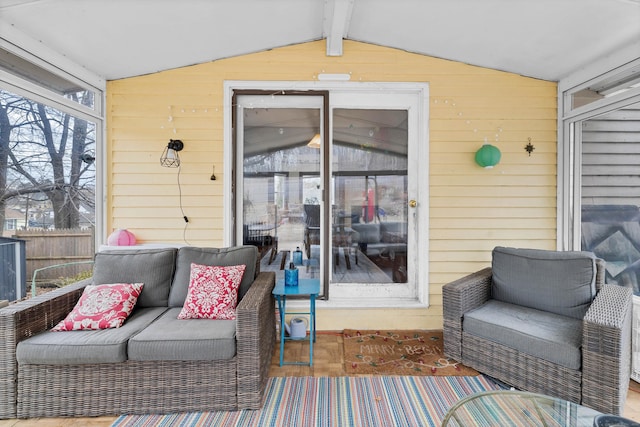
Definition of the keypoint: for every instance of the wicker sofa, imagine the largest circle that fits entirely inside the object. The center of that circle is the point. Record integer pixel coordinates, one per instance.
(545, 322)
(153, 363)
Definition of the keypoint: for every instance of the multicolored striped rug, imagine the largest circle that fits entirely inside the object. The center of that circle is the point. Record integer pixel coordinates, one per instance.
(337, 401)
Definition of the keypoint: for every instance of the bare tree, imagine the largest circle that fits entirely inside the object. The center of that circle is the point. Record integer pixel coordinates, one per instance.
(5, 134)
(41, 151)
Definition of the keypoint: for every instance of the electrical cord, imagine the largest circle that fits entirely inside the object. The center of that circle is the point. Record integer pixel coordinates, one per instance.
(184, 216)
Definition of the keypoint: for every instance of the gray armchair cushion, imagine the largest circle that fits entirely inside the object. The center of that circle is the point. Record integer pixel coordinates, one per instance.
(545, 335)
(557, 282)
(88, 346)
(236, 255)
(153, 267)
(194, 339)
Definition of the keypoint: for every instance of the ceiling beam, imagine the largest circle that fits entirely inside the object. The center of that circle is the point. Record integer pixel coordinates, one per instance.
(337, 14)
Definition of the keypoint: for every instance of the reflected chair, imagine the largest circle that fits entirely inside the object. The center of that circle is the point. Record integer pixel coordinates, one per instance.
(311, 227)
(264, 233)
(254, 236)
(273, 219)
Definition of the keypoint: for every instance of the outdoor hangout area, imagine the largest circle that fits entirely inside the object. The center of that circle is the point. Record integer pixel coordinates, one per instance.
(319, 213)
(195, 340)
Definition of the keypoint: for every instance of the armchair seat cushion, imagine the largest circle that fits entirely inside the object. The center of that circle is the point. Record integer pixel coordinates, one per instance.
(169, 338)
(545, 335)
(86, 346)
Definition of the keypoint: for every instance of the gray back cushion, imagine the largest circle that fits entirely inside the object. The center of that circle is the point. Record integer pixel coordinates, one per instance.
(557, 282)
(247, 255)
(153, 267)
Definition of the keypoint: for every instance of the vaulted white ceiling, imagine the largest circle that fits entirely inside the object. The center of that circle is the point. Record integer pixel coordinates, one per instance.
(113, 39)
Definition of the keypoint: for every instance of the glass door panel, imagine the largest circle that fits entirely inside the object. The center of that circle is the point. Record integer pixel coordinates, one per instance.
(369, 198)
(375, 197)
(281, 204)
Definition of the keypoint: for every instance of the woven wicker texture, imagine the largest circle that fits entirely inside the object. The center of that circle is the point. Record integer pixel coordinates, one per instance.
(134, 387)
(603, 381)
(23, 320)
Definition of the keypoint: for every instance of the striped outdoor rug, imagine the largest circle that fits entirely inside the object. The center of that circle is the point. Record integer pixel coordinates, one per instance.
(337, 401)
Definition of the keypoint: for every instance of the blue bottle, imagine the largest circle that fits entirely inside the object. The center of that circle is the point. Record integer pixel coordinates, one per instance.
(291, 276)
(297, 256)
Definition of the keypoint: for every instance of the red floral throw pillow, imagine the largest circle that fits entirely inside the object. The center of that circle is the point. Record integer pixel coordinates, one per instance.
(213, 292)
(102, 307)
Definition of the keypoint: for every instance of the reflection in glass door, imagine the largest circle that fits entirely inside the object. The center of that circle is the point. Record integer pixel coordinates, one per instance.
(376, 189)
(280, 184)
(369, 198)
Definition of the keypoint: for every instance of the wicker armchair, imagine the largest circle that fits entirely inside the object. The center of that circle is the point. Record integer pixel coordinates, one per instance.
(602, 380)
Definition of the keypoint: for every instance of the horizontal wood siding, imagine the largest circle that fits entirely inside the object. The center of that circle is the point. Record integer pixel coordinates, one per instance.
(611, 158)
(472, 209)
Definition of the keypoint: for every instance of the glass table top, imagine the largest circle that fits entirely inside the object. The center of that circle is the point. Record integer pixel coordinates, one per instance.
(516, 408)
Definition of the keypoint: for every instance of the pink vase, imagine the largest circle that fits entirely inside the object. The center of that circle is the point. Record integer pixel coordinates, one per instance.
(121, 237)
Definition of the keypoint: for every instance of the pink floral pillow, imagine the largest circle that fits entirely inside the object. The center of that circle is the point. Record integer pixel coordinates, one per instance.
(102, 307)
(213, 292)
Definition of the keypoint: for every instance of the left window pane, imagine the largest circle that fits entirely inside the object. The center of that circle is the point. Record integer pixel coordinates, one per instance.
(48, 183)
(56, 83)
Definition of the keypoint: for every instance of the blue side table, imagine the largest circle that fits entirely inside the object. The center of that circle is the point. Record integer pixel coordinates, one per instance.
(310, 287)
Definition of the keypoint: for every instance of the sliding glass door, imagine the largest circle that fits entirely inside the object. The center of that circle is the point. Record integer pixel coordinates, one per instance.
(333, 178)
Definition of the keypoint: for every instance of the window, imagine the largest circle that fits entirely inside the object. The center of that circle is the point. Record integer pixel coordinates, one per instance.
(10, 224)
(50, 139)
(35, 73)
(600, 91)
(604, 192)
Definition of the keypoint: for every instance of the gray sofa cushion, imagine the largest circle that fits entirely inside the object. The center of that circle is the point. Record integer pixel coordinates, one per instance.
(195, 339)
(236, 255)
(393, 227)
(367, 233)
(558, 282)
(85, 347)
(548, 336)
(153, 267)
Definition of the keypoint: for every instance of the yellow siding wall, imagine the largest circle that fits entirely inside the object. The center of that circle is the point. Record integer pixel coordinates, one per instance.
(471, 209)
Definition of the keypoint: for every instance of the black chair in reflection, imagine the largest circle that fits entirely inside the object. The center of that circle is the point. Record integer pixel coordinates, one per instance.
(311, 227)
(257, 235)
(264, 234)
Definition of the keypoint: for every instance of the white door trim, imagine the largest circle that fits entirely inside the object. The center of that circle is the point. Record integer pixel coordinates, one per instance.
(419, 146)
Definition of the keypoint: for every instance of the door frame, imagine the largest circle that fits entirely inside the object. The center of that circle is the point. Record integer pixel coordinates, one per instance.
(420, 90)
(323, 167)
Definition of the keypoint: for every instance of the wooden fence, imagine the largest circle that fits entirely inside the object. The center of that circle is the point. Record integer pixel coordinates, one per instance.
(45, 248)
